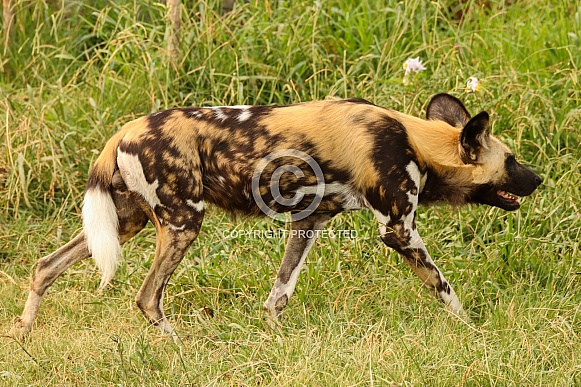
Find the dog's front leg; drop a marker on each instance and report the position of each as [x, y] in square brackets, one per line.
[401, 235]
[302, 236]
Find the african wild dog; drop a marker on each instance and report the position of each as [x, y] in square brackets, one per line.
[166, 166]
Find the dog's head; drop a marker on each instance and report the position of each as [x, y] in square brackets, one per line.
[498, 179]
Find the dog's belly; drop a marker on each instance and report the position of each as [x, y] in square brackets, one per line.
[231, 194]
[238, 194]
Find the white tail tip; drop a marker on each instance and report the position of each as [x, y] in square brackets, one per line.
[100, 224]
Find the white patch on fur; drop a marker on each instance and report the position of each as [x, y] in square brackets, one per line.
[176, 228]
[132, 172]
[198, 206]
[279, 288]
[196, 114]
[331, 188]
[352, 201]
[423, 179]
[100, 225]
[408, 219]
[414, 173]
[219, 113]
[382, 219]
[416, 241]
[244, 115]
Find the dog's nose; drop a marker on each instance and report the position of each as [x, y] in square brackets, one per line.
[538, 180]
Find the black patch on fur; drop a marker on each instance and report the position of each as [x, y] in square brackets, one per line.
[397, 237]
[392, 153]
[438, 189]
[356, 100]
[473, 137]
[176, 175]
[417, 258]
[520, 181]
[157, 120]
[229, 166]
[444, 107]
[227, 179]
[94, 182]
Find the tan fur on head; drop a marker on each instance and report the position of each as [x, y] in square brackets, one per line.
[437, 145]
[489, 167]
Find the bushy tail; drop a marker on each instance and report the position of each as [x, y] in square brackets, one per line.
[100, 221]
[100, 225]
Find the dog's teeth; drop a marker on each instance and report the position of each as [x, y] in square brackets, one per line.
[507, 195]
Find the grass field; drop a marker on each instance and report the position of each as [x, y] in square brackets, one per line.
[74, 71]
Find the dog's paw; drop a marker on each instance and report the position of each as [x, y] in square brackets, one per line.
[20, 330]
[272, 318]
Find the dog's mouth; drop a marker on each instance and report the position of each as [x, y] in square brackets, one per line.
[497, 197]
[519, 181]
[511, 201]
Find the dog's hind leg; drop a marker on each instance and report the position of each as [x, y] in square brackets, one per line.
[302, 237]
[49, 268]
[45, 272]
[171, 246]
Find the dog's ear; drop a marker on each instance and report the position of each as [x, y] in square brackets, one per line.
[444, 107]
[474, 137]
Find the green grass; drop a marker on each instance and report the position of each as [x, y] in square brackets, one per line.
[75, 71]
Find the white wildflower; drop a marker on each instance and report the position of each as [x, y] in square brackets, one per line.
[413, 65]
[473, 85]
